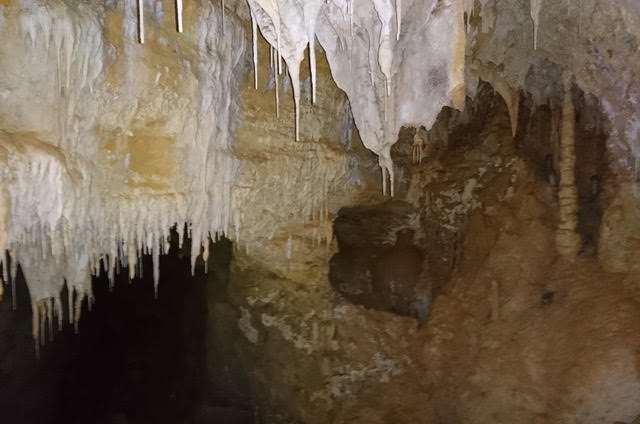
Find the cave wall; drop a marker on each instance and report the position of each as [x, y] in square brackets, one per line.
[513, 334]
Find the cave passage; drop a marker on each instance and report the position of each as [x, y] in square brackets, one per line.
[135, 360]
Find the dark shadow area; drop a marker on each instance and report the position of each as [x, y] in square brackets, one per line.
[378, 265]
[136, 359]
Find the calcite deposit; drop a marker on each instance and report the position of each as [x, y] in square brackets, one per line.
[508, 131]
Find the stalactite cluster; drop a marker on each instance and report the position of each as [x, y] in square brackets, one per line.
[77, 195]
[89, 167]
[372, 61]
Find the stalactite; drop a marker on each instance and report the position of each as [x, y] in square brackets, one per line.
[222, 6]
[567, 238]
[254, 32]
[205, 255]
[95, 232]
[179, 14]
[277, 77]
[140, 21]
[468, 11]
[270, 57]
[535, 15]
[4, 258]
[70, 293]
[13, 274]
[312, 64]
[156, 266]
[53, 221]
[294, 75]
[35, 327]
[398, 18]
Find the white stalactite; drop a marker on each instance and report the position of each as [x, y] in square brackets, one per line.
[73, 229]
[254, 32]
[179, 14]
[277, 77]
[56, 221]
[535, 15]
[378, 115]
[398, 18]
[141, 21]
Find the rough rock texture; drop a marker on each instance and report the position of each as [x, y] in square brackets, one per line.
[513, 335]
[379, 264]
[618, 246]
[105, 144]
[596, 41]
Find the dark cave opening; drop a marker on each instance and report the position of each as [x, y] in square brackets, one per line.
[379, 264]
[136, 359]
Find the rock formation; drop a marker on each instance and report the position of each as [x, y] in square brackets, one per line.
[133, 129]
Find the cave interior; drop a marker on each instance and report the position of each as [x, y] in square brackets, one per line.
[319, 211]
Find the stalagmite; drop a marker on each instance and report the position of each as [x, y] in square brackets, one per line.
[179, 14]
[567, 238]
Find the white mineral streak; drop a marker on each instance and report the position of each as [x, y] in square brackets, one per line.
[358, 63]
[65, 211]
[535, 15]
